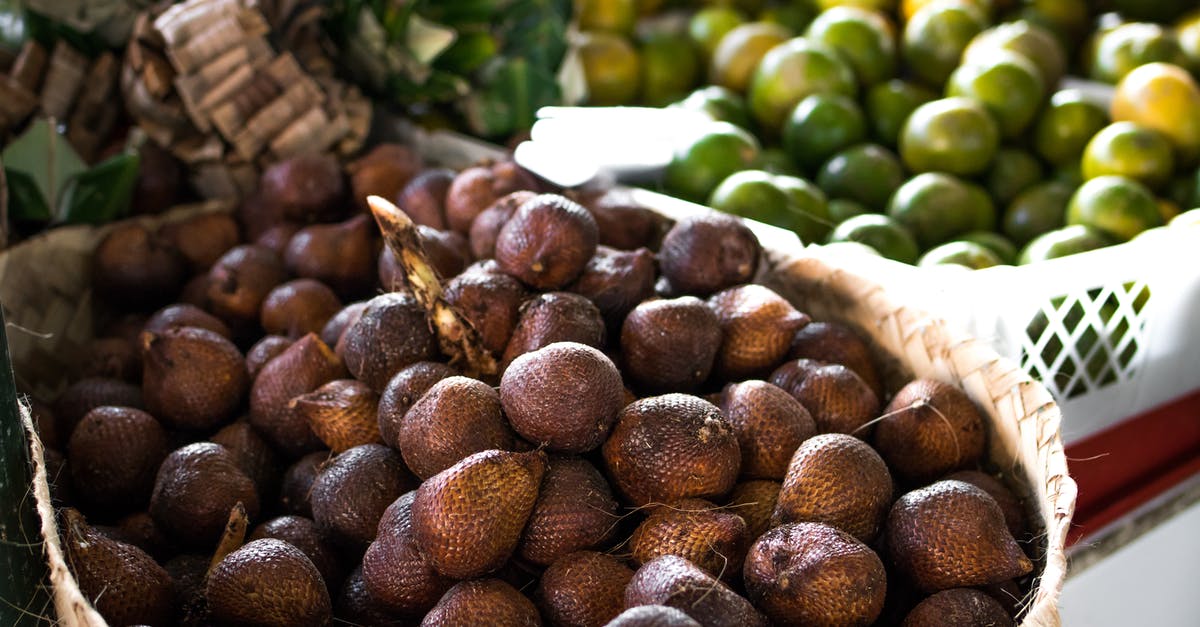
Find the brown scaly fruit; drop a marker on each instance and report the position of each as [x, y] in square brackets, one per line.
[302, 533]
[256, 216]
[671, 447]
[575, 510]
[1014, 514]
[958, 607]
[471, 191]
[391, 333]
[193, 379]
[755, 501]
[353, 490]
[951, 534]
[675, 582]
[240, 280]
[583, 588]
[304, 366]
[713, 539]
[929, 429]
[87, 394]
[565, 396]
[384, 171]
[341, 413]
[189, 572]
[183, 315]
[140, 530]
[268, 582]
[1007, 593]
[837, 398]
[277, 237]
[757, 326]
[394, 572]
[707, 253]
[547, 242]
[295, 491]
[337, 325]
[342, 255]
[135, 269]
[624, 223]
[670, 345]
[195, 488]
[468, 518]
[307, 188]
[122, 582]
[253, 455]
[491, 302]
[483, 602]
[354, 605]
[112, 357]
[486, 226]
[298, 307]
[113, 456]
[195, 292]
[202, 239]
[616, 281]
[263, 351]
[814, 574]
[770, 424]
[652, 616]
[404, 389]
[424, 197]
[838, 480]
[456, 417]
[554, 317]
[836, 343]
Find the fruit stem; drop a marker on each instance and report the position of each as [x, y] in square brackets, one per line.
[233, 537]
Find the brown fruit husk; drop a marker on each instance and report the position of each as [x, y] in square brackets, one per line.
[838, 400]
[195, 488]
[623, 223]
[303, 367]
[653, 616]
[838, 480]
[554, 317]
[707, 253]
[295, 492]
[1014, 514]
[253, 455]
[712, 538]
[384, 171]
[113, 455]
[190, 571]
[675, 582]
[671, 447]
[341, 413]
[491, 303]
[354, 605]
[332, 332]
[133, 268]
[814, 574]
[277, 237]
[307, 188]
[297, 308]
[471, 191]
[302, 533]
[342, 255]
[268, 582]
[836, 343]
[547, 242]
[195, 292]
[951, 534]
[958, 607]
[483, 602]
[616, 281]
[122, 582]
[183, 315]
[263, 351]
[395, 574]
[584, 588]
[140, 530]
[193, 379]
[467, 519]
[770, 425]
[486, 226]
[575, 510]
[757, 326]
[202, 239]
[928, 430]
[670, 345]
[240, 280]
[112, 357]
[352, 491]
[404, 389]
[565, 396]
[755, 501]
[456, 417]
[87, 394]
[424, 197]
[391, 333]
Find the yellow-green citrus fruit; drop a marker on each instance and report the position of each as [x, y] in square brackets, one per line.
[1066, 125]
[1117, 206]
[1129, 150]
[935, 37]
[791, 71]
[955, 135]
[865, 38]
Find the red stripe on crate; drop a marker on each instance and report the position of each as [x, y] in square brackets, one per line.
[1130, 463]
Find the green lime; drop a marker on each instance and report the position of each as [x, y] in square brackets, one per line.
[1037, 210]
[1118, 206]
[842, 209]
[880, 232]
[980, 208]
[1129, 150]
[936, 207]
[753, 194]
[969, 254]
[1001, 246]
[1006, 83]
[710, 24]
[821, 125]
[616, 16]
[811, 218]
[865, 38]
[955, 135]
[1131, 45]
[718, 103]
[877, 5]
[611, 68]
[890, 103]
[699, 166]
[866, 173]
[1062, 242]
[739, 52]
[670, 68]
[1184, 190]
[791, 71]
[935, 37]
[795, 17]
[1066, 126]
[1067, 19]
[775, 161]
[1013, 171]
[1069, 173]
[1029, 40]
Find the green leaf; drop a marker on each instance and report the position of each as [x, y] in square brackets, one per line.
[47, 157]
[512, 91]
[25, 202]
[103, 193]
